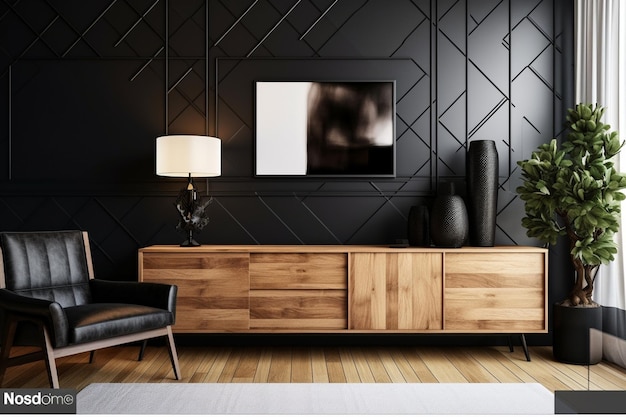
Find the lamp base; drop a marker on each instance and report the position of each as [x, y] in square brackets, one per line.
[189, 243]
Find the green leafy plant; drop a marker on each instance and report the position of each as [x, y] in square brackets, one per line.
[574, 190]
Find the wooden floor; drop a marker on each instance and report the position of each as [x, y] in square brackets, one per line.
[324, 365]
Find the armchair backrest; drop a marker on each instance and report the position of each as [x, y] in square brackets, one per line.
[54, 266]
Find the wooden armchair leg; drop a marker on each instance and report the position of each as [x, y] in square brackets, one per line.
[92, 354]
[7, 343]
[49, 359]
[173, 355]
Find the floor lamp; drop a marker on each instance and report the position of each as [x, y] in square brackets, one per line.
[191, 157]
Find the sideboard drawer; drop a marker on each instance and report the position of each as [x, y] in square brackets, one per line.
[298, 309]
[298, 271]
[298, 291]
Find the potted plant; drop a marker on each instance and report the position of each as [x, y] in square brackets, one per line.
[573, 190]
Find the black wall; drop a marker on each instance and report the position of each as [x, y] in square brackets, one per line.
[86, 88]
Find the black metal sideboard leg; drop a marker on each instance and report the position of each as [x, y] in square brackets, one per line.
[523, 338]
[511, 349]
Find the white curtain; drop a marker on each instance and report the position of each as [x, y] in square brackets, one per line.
[600, 42]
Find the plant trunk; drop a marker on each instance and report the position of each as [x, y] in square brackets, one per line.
[585, 274]
[583, 287]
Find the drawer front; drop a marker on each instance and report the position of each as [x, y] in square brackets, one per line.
[495, 292]
[298, 291]
[213, 289]
[298, 309]
[298, 271]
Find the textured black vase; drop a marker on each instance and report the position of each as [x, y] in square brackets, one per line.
[448, 219]
[419, 226]
[482, 191]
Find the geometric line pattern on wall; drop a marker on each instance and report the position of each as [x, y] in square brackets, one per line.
[464, 70]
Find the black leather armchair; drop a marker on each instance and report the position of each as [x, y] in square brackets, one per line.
[49, 298]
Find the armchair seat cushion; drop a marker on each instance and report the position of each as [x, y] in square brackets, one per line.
[90, 322]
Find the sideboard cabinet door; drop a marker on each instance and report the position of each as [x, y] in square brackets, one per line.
[494, 291]
[395, 291]
[213, 288]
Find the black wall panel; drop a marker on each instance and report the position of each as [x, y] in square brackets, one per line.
[76, 118]
[87, 86]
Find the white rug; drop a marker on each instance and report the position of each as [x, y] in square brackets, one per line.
[362, 399]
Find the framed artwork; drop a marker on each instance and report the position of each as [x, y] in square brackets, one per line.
[323, 128]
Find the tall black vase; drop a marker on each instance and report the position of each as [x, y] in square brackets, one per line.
[419, 226]
[482, 190]
[448, 219]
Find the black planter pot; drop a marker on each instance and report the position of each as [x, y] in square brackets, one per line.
[482, 191]
[448, 219]
[573, 342]
[419, 226]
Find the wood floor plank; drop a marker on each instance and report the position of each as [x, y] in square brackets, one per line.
[376, 366]
[514, 364]
[585, 377]
[201, 357]
[130, 367]
[203, 368]
[134, 372]
[280, 368]
[20, 375]
[318, 366]
[491, 360]
[216, 369]
[394, 373]
[246, 370]
[349, 368]
[593, 377]
[440, 366]
[333, 363]
[263, 367]
[231, 366]
[417, 364]
[108, 363]
[611, 373]
[567, 373]
[472, 370]
[301, 370]
[408, 373]
[362, 367]
[541, 372]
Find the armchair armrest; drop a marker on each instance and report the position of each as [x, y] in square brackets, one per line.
[35, 309]
[149, 294]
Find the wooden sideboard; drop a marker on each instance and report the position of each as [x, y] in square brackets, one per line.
[353, 289]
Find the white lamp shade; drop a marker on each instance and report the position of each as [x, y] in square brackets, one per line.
[184, 155]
